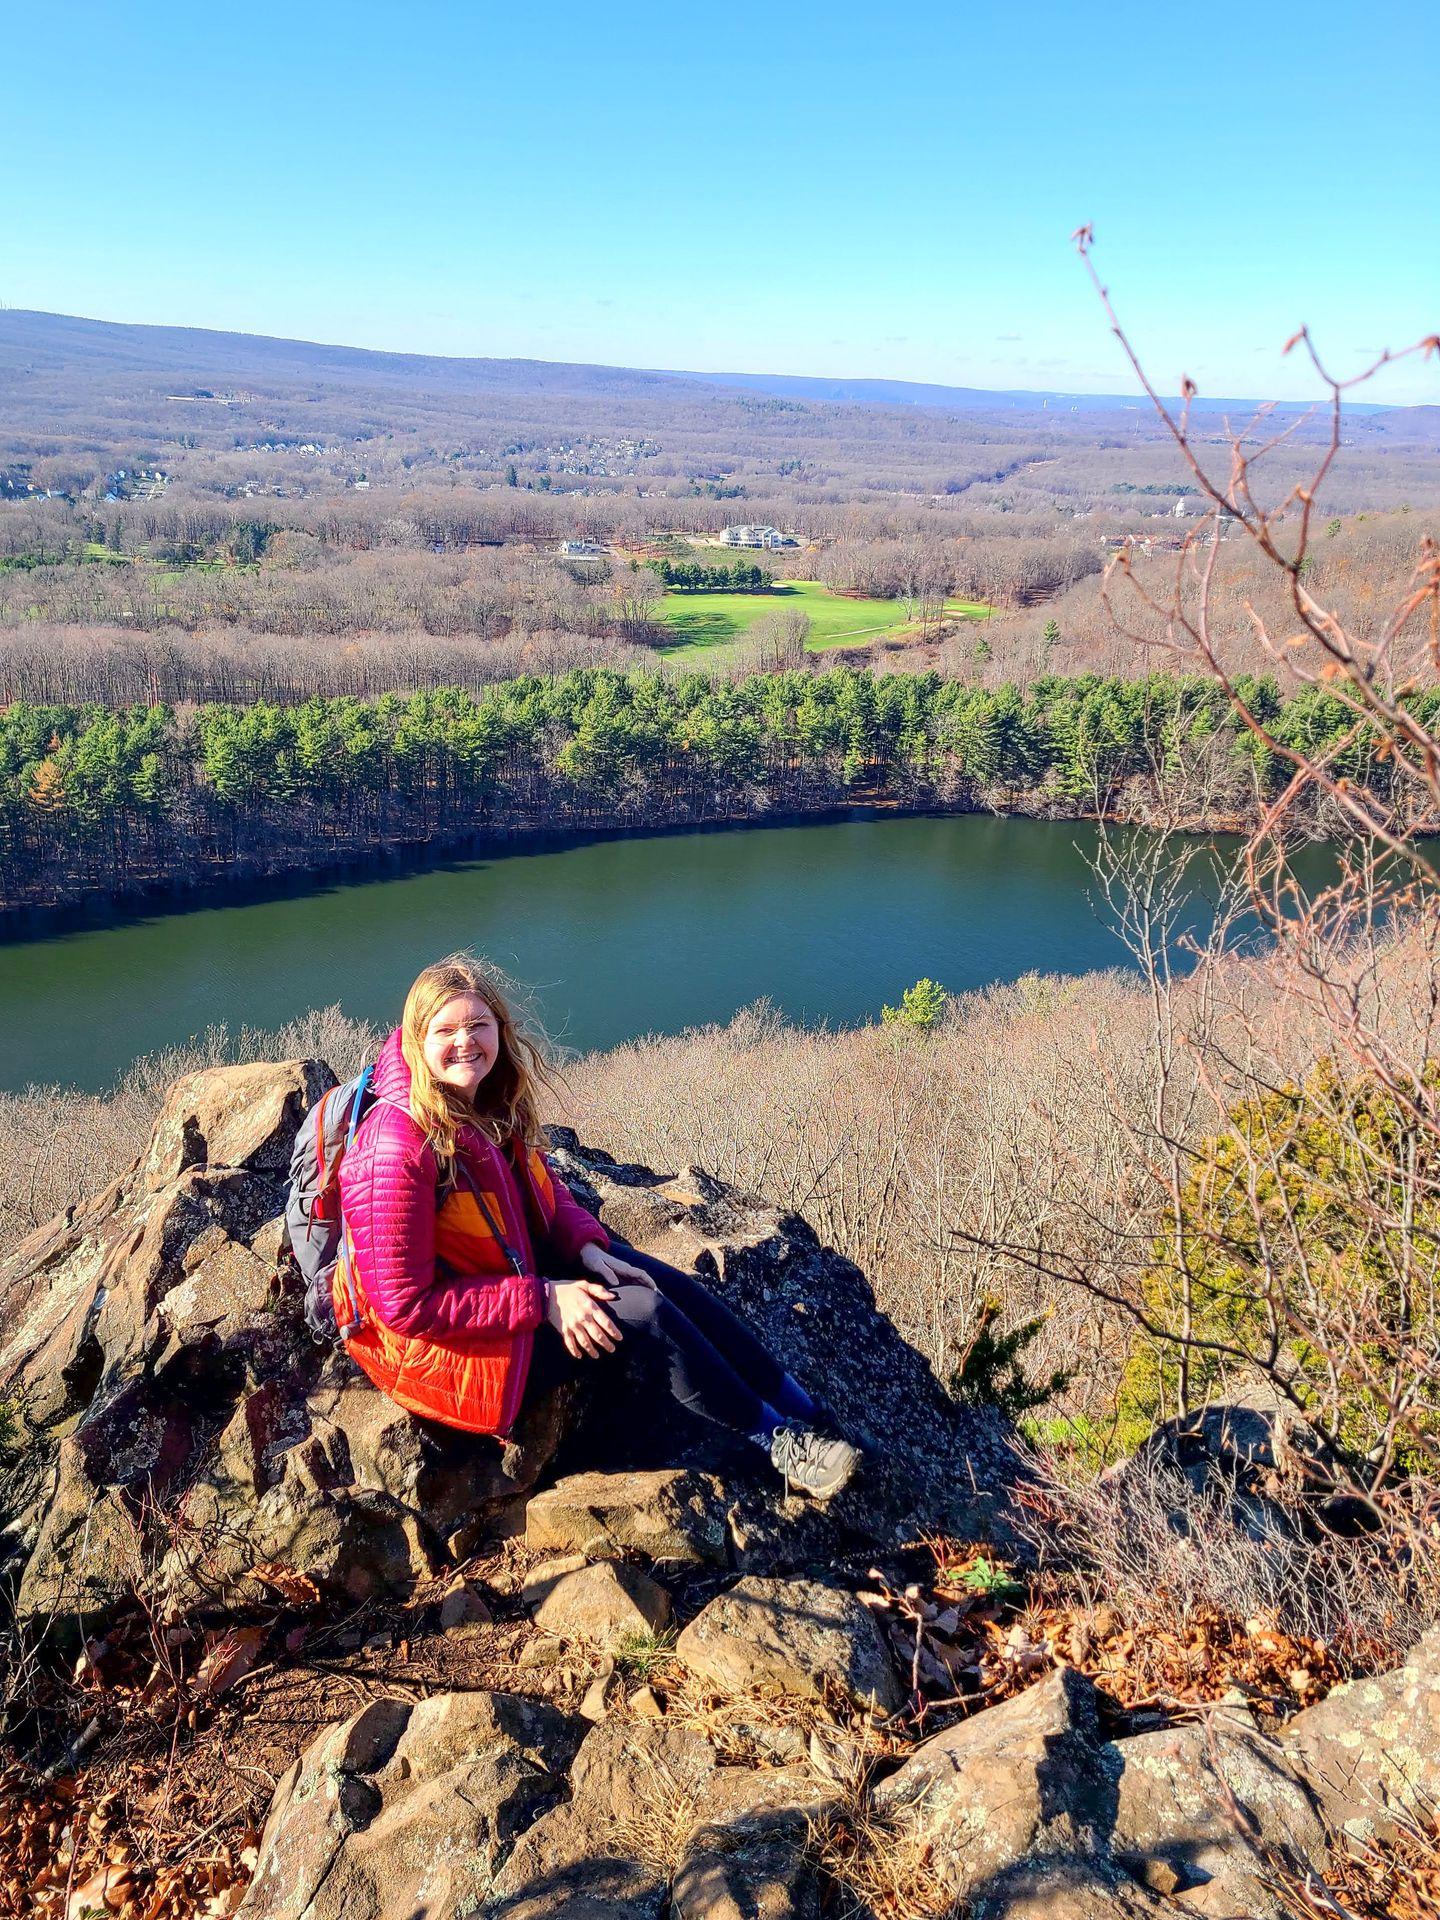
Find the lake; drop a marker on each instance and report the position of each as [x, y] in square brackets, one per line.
[615, 937]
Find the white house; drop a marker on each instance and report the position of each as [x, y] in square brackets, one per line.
[756, 537]
[582, 550]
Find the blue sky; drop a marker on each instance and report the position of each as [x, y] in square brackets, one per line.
[836, 189]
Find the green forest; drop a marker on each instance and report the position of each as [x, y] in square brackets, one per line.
[103, 800]
[686, 576]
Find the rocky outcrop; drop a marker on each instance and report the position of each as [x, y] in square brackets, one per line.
[182, 1435]
[182, 1429]
[671, 1516]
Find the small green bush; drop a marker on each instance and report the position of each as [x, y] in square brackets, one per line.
[642, 1655]
[994, 1581]
[989, 1371]
[1308, 1250]
[920, 1006]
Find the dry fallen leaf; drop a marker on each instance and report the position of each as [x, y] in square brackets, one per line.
[229, 1660]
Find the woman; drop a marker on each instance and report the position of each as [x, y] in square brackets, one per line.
[469, 1260]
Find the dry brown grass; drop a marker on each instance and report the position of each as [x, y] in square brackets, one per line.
[879, 1869]
[1152, 1557]
[886, 1139]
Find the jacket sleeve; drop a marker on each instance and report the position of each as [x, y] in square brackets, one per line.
[572, 1228]
[395, 1245]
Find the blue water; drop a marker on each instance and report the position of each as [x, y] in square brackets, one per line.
[614, 938]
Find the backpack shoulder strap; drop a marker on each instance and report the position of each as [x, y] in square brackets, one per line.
[357, 1111]
[517, 1265]
[329, 1165]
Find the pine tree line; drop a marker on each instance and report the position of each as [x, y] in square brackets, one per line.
[95, 800]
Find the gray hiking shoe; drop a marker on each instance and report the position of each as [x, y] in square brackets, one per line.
[812, 1464]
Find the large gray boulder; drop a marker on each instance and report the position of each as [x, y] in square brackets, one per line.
[656, 1827]
[1024, 1779]
[636, 1791]
[404, 1809]
[1372, 1748]
[1214, 1805]
[748, 1856]
[795, 1636]
[672, 1516]
[1071, 1887]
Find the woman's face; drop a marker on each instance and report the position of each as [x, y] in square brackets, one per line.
[461, 1043]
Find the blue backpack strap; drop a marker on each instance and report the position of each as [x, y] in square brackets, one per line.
[343, 1264]
[357, 1110]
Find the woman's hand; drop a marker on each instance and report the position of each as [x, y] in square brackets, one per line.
[573, 1308]
[611, 1269]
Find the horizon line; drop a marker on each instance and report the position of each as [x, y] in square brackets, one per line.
[717, 375]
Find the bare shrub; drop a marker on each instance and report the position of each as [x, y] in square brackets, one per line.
[1302, 1241]
[1142, 1540]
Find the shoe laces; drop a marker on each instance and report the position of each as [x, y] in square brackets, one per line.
[797, 1447]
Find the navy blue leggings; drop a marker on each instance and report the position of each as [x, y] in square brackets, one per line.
[717, 1368]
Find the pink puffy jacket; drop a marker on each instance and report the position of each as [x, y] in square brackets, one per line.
[447, 1323]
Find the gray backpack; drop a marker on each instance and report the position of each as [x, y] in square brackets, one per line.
[312, 1207]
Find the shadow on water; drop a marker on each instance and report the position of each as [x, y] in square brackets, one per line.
[471, 853]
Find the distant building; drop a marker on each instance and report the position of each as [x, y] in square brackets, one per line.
[756, 537]
[581, 550]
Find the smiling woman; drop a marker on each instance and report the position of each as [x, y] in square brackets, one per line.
[470, 1277]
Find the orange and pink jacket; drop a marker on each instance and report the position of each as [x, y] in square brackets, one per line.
[447, 1326]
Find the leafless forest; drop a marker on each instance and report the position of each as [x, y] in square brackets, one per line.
[192, 517]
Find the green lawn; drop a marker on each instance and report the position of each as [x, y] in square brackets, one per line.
[705, 621]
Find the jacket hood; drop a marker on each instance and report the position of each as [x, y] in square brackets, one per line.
[391, 1079]
[390, 1082]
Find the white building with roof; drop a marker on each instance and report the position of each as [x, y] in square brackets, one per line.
[756, 537]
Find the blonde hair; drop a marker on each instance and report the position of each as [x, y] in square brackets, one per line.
[506, 1101]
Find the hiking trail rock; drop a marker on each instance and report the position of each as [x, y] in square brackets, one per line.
[604, 1604]
[671, 1516]
[1023, 1778]
[794, 1635]
[407, 1809]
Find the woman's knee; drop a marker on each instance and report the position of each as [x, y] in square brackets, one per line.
[638, 1309]
[671, 1284]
